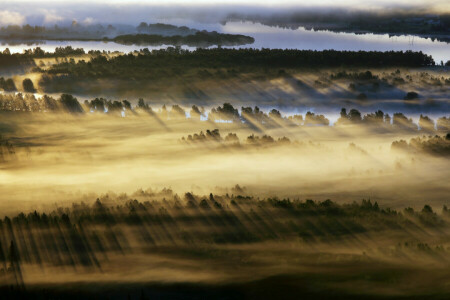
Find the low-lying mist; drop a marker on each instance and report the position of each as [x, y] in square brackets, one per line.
[56, 157]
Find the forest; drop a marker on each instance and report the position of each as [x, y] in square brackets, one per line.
[240, 59]
[199, 76]
[89, 237]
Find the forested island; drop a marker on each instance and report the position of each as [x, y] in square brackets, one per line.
[144, 34]
[199, 39]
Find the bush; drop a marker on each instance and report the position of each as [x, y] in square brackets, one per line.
[411, 96]
[28, 86]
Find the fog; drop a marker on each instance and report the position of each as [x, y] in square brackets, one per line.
[58, 158]
[230, 174]
[133, 12]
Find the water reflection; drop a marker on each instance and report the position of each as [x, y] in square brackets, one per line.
[275, 37]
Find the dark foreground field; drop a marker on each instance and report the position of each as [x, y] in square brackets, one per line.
[306, 286]
[225, 247]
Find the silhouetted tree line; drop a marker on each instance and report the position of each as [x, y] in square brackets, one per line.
[103, 105]
[399, 120]
[198, 39]
[434, 26]
[28, 102]
[367, 75]
[83, 233]
[10, 61]
[233, 139]
[225, 113]
[148, 63]
[164, 29]
[83, 236]
[436, 145]
[8, 58]
[367, 81]
[7, 85]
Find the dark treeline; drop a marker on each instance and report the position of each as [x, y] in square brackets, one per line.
[83, 234]
[226, 113]
[115, 230]
[199, 39]
[8, 85]
[399, 120]
[165, 29]
[6, 57]
[233, 140]
[436, 145]
[10, 61]
[148, 64]
[29, 103]
[395, 22]
[24, 61]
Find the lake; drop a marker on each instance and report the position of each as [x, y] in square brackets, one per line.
[276, 37]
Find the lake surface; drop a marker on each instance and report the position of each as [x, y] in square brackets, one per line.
[275, 37]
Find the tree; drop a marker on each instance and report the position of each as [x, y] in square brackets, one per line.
[48, 103]
[426, 123]
[9, 85]
[427, 209]
[354, 115]
[411, 96]
[275, 114]
[70, 103]
[313, 119]
[226, 112]
[28, 86]
[142, 104]
[196, 112]
[126, 104]
[400, 120]
[177, 112]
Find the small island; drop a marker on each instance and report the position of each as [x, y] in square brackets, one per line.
[144, 34]
[199, 39]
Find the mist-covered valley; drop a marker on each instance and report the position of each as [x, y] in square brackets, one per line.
[224, 151]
